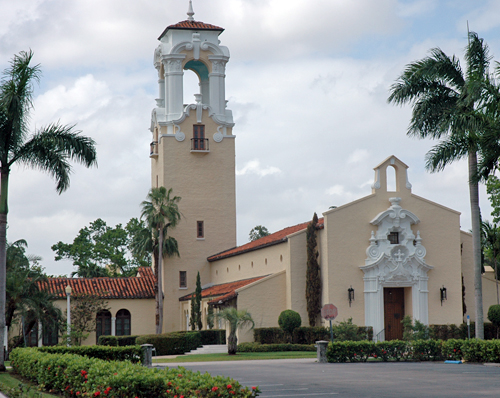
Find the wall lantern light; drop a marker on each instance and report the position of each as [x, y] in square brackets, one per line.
[350, 293]
[443, 294]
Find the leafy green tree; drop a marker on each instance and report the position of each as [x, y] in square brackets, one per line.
[313, 277]
[84, 309]
[49, 149]
[25, 299]
[136, 229]
[258, 232]
[98, 250]
[493, 191]
[289, 320]
[490, 234]
[494, 316]
[161, 212]
[236, 319]
[449, 104]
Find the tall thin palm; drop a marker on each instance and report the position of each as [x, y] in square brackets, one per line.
[490, 234]
[49, 149]
[448, 105]
[236, 319]
[161, 211]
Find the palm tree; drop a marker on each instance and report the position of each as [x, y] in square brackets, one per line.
[49, 149]
[160, 211]
[237, 319]
[448, 104]
[491, 247]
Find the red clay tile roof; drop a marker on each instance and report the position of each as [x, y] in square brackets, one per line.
[140, 287]
[191, 25]
[224, 291]
[269, 240]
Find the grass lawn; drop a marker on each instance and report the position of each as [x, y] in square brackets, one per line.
[240, 356]
[8, 382]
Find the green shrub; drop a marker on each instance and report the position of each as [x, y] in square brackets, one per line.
[494, 316]
[427, 350]
[129, 353]
[79, 376]
[111, 341]
[257, 347]
[346, 331]
[289, 320]
[310, 334]
[213, 336]
[269, 336]
[394, 349]
[350, 351]
[452, 349]
[172, 343]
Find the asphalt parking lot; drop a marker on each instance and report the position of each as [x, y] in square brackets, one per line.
[302, 378]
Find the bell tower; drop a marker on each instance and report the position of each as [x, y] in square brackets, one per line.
[193, 153]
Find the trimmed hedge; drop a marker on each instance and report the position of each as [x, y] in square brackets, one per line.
[305, 335]
[176, 343]
[213, 336]
[445, 332]
[79, 376]
[117, 341]
[257, 347]
[129, 353]
[472, 350]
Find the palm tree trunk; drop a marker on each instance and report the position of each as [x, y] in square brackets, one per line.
[232, 343]
[4, 184]
[476, 244]
[159, 327]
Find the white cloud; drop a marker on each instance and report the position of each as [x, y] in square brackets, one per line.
[254, 167]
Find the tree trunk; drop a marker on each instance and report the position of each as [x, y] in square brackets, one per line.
[4, 183]
[476, 244]
[232, 343]
[159, 327]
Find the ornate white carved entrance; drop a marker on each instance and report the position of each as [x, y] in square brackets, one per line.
[395, 258]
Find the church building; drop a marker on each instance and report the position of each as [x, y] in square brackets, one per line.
[383, 256]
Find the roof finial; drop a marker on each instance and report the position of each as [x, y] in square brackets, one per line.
[190, 12]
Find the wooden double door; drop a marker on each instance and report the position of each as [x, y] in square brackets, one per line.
[394, 311]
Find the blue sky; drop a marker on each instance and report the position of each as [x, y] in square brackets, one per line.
[307, 83]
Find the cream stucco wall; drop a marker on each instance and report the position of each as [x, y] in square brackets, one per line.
[296, 275]
[265, 261]
[265, 300]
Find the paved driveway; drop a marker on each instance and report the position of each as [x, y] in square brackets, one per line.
[302, 378]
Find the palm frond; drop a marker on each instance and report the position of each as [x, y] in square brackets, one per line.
[50, 150]
[447, 151]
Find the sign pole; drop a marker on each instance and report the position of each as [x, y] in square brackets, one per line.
[331, 331]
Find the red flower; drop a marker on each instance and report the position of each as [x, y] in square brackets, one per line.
[232, 392]
[215, 389]
[107, 390]
[179, 375]
[115, 374]
[97, 393]
[78, 393]
[49, 367]
[169, 383]
[229, 386]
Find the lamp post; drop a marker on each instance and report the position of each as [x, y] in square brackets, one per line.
[68, 301]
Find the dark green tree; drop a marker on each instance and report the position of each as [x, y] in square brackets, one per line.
[258, 232]
[449, 104]
[313, 276]
[195, 319]
[210, 317]
[160, 211]
[25, 297]
[490, 238]
[289, 320]
[50, 149]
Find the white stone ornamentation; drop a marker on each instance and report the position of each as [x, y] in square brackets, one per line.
[395, 257]
[180, 136]
[218, 137]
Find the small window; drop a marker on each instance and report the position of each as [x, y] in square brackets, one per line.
[200, 233]
[199, 143]
[183, 279]
[393, 238]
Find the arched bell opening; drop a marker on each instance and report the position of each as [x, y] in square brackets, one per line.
[196, 82]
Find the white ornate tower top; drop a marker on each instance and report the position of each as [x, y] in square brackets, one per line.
[190, 12]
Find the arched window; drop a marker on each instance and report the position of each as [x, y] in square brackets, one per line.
[103, 324]
[391, 179]
[123, 323]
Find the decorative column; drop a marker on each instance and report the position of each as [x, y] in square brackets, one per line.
[174, 85]
[40, 334]
[217, 84]
[113, 326]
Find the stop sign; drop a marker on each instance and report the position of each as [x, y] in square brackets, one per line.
[329, 312]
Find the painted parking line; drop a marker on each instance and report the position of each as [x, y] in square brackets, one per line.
[301, 395]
